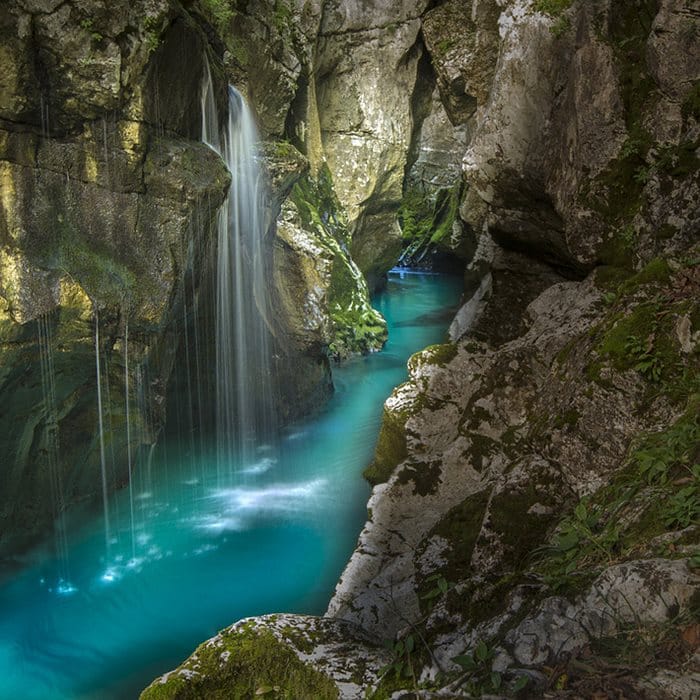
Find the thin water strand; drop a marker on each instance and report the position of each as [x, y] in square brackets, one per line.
[103, 460]
[127, 413]
[48, 383]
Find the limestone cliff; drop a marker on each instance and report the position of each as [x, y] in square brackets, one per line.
[533, 528]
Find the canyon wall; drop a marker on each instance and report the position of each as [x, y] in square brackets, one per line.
[534, 516]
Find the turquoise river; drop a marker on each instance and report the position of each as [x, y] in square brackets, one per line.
[205, 549]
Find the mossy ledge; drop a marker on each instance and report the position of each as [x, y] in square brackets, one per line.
[243, 661]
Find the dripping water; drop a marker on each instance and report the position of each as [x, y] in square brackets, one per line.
[100, 423]
[48, 384]
[128, 434]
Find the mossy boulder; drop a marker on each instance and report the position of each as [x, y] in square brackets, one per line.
[355, 327]
[286, 657]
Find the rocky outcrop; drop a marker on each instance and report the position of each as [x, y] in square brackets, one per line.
[293, 656]
[365, 73]
[336, 79]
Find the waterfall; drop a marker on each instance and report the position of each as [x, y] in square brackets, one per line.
[243, 387]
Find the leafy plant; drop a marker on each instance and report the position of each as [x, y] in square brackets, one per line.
[402, 664]
[220, 11]
[648, 363]
[683, 508]
[479, 676]
[439, 589]
[582, 539]
[660, 453]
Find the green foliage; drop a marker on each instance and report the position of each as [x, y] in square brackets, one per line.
[478, 676]
[87, 24]
[152, 26]
[683, 508]
[584, 537]
[402, 665]
[645, 361]
[658, 490]
[439, 588]
[426, 219]
[221, 13]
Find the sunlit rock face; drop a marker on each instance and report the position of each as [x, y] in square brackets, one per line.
[366, 66]
[337, 79]
[106, 205]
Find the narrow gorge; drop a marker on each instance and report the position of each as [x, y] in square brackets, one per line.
[370, 329]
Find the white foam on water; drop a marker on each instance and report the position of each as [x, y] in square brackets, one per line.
[264, 465]
[276, 498]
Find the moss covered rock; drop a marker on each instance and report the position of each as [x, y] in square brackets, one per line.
[277, 656]
[340, 293]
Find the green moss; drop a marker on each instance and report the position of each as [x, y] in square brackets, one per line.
[519, 529]
[656, 272]
[391, 448]
[646, 335]
[107, 276]
[357, 327]
[610, 277]
[460, 526]
[257, 665]
[440, 355]
[445, 45]
[426, 219]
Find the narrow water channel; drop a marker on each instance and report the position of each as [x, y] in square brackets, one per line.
[208, 548]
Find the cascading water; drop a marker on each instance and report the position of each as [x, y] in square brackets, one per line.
[244, 403]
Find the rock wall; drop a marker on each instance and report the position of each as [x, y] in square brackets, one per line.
[534, 517]
[106, 204]
[513, 454]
